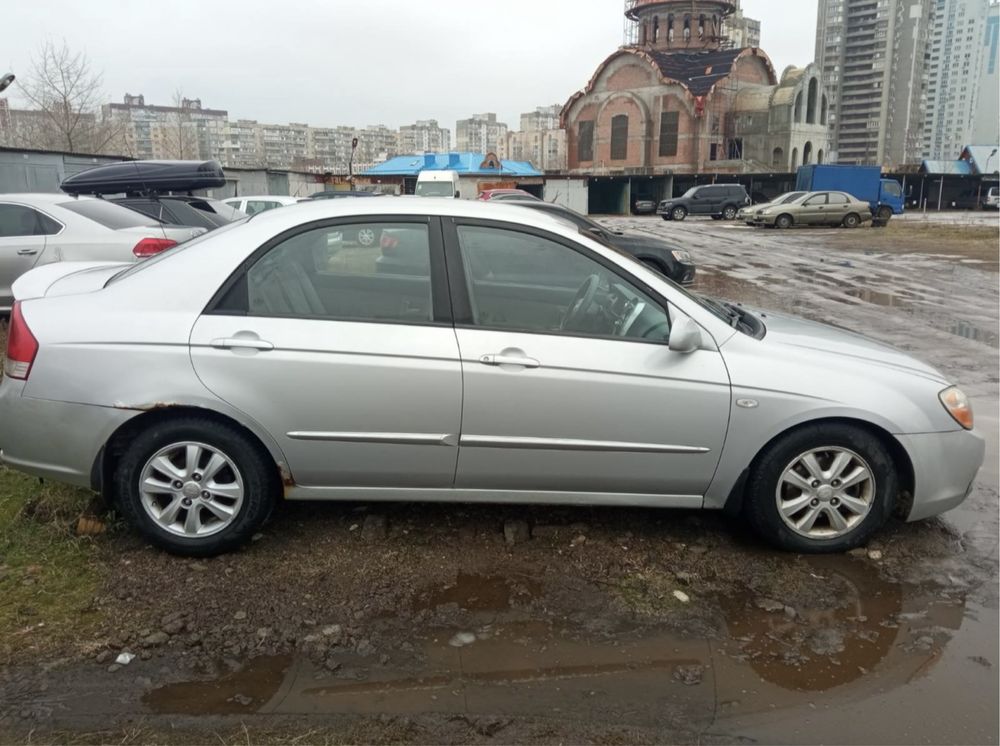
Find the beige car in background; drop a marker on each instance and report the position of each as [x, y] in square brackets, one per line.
[816, 208]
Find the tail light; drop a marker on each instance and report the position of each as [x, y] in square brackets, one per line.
[148, 247]
[21, 346]
[388, 243]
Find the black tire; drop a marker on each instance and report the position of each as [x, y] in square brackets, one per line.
[678, 214]
[851, 220]
[882, 217]
[784, 222]
[256, 467]
[761, 507]
[729, 213]
[665, 216]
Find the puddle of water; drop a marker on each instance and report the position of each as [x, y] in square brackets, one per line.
[480, 593]
[243, 691]
[976, 333]
[878, 297]
[851, 637]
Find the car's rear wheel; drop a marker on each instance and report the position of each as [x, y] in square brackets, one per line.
[195, 487]
[729, 213]
[851, 221]
[678, 214]
[783, 221]
[822, 488]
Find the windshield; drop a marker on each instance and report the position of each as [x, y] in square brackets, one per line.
[789, 197]
[435, 189]
[172, 251]
[689, 193]
[108, 214]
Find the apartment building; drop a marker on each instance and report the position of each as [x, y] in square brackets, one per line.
[481, 133]
[184, 131]
[956, 59]
[871, 53]
[425, 136]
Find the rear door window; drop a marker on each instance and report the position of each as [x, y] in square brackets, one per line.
[20, 220]
[112, 216]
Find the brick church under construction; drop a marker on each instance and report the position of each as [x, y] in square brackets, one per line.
[687, 94]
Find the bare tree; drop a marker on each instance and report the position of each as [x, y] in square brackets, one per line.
[180, 137]
[66, 96]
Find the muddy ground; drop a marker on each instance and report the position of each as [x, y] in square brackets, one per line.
[409, 623]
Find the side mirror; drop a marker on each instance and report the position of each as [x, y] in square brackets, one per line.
[685, 336]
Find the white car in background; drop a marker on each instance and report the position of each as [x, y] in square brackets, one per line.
[253, 205]
[38, 229]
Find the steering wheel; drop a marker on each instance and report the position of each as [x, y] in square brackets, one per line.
[581, 302]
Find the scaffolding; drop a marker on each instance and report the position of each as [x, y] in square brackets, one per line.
[632, 32]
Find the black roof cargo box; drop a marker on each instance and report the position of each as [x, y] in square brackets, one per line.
[146, 177]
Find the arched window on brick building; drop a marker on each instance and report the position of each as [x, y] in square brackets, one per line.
[619, 137]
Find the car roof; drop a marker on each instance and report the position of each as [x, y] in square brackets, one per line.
[40, 198]
[310, 210]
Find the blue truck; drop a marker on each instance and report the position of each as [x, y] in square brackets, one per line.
[862, 182]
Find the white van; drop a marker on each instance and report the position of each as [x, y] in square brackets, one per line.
[438, 184]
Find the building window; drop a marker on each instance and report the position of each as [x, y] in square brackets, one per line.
[585, 148]
[669, 124]
[619, 137]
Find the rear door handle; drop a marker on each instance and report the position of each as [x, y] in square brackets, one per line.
[241, 343]
[27, 252]
[495, 360]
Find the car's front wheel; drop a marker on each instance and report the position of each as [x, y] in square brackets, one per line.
[195, 487]
[678, 214]
[822, 488]
[783, 221]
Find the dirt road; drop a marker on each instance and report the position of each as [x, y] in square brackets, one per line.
[425, 624]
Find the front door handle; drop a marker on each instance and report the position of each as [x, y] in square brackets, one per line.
[27, 252]
[241, 343]
[501, 359]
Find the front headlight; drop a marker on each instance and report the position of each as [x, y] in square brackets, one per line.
[681, 256]
[958, 406]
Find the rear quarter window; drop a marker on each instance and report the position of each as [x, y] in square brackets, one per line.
[111, 216]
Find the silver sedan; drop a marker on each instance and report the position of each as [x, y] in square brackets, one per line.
[477, 353]
[38, 229]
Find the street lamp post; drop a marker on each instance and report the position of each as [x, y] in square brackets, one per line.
[350, 163]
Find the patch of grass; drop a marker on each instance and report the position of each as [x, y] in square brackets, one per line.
[48, 576]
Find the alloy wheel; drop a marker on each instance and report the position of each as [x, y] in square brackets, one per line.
[825, 493]
[191, 489]
[366, 236]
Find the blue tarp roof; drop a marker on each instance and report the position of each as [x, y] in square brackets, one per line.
[947, 167]
[463, 163]
[981, 155]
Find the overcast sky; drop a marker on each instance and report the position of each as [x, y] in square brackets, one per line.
[355, 62]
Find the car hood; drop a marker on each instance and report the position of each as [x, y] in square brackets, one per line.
[633, 242]
[824, 339]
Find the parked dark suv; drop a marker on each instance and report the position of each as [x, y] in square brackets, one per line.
[721, 201]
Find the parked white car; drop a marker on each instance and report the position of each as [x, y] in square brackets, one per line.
[37, 229]
[253, 205]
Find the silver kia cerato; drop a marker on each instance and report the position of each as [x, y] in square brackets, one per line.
[473, 352]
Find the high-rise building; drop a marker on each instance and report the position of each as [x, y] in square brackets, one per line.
[425, 136]
[986, 121]
[481, 133]
[541, 119]
[184, 131]
[741, 31]
[872, 56]
[955, 60]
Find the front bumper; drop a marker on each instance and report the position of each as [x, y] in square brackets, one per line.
[51, 439]
[945, 466]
